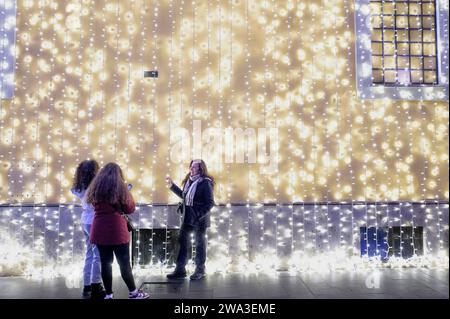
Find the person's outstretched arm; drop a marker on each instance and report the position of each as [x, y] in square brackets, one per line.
[174, 188]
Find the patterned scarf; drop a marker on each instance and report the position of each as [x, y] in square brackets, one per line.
[190, 187]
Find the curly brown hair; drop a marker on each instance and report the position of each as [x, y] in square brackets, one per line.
[203, 172]
[108, 186]
[84, 174]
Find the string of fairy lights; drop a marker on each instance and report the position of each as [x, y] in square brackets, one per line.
[229, 105]
[140, 139]
[117, 31]
[78, 107]
[313, 141]
[154, 93]
[262, 99]
[372, 210]
[69, 110]
[326, 156]
[9, 133]
[2, 82]
[287, 88]
[349, 123]
[299, 152]
[129, 16]
[339, 151]
[193, 101]
[36, 135]
[410, 178]
[5, 79]
[247, 99]
[10, 140]
[130, 83]
[152, 114]
[88, 81]
[170, 88]
[62, 143]
[435, 172]
[169, 114]
[143, 221]
[223, 216]
[101, 55]
[3, 40]
[278, 231]
[180, 74]
[51, 113]
[45, 173]
[37, 196]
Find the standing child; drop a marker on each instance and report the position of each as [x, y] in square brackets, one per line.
[84, 174]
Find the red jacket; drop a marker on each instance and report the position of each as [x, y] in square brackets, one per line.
[109, 227]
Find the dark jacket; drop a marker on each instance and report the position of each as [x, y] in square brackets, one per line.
[198, 215]
[109, 227]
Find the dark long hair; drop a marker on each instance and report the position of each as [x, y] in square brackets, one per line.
[203, 173]
[84, 175]
[108, 186]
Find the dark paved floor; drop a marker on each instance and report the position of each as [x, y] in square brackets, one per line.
[405, 283]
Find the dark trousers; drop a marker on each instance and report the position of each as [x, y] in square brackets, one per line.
[200, 247]
[122, 253]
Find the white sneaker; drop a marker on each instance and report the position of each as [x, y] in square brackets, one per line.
[111, 296]
[138, 294]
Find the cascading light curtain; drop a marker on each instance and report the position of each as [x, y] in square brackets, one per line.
[289, 65]
[247, 66]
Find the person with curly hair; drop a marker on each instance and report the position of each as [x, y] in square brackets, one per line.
[84, 174]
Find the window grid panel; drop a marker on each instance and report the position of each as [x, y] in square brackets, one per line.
[406, 58]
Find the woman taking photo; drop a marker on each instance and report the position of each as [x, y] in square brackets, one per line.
[111, 198]
[198, 199]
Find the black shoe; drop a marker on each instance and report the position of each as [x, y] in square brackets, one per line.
[98, 292]
[177, 274]
[86, 292]
[198, 274]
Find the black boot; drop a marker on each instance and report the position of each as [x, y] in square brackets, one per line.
[86, 292]
[98, 292]
[199, 273]
[177, 274]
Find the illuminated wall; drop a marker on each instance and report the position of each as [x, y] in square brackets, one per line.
[7, 40]
[289, 65]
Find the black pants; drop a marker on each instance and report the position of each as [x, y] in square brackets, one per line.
[200, 247]
[122, 253]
